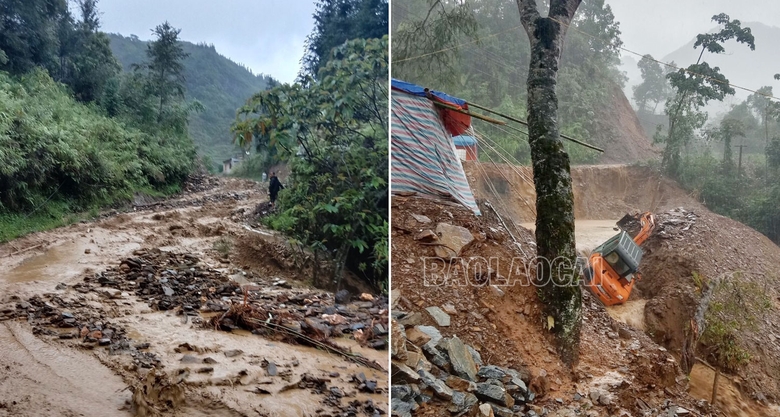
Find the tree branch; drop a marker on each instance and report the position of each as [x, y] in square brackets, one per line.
[528, 15]
[563, 11]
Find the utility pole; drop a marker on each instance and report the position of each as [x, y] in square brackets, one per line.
[739, 165]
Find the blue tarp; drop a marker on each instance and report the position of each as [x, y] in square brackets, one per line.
[464, 140]
[418, 91]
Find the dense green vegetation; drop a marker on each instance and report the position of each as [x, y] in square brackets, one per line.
[218, 83]
[491, 66]
[331, 130]
[337, 21]
[75, 133]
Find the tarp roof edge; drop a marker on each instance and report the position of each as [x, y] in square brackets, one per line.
[416, 90]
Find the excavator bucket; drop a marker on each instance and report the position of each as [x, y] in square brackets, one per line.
[631, 223]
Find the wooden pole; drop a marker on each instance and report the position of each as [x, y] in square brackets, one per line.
[739, 165]
[499, 122]
[524, 123]
[715, 387]
[478, 116]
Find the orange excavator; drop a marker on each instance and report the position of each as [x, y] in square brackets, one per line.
[612, 267]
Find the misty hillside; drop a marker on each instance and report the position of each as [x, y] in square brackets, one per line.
[221, 85]
[743, 67]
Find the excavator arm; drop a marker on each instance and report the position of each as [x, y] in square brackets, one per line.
[638, 226]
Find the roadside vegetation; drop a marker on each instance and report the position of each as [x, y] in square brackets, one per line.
[738, 306]
[76, 133]
[331, 130]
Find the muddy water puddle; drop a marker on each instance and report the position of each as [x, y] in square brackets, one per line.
[59, 260]
[631, 313]
[235, 378]
[69, 257]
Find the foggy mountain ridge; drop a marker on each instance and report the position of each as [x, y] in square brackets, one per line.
[740, 65]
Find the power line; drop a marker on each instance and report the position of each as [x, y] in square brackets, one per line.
[706, 77]
[476, 40]
[622, 48]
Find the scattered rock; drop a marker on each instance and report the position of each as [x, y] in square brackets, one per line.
[485, 410]
[397, 341]
[403, 374]
[439, 387]
[441, 318]
[189, 359]
[493, 393]
[462, 362]
[430, 331]
[491, 372]
[449, 309]
[463, 403]
[498, 292]
[426, 236]
[420, 218]
[453, 240]
[415, 336]
[233, 353]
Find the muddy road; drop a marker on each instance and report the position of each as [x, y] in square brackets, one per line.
[85, 334]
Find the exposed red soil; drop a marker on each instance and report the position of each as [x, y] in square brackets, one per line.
[509, 330]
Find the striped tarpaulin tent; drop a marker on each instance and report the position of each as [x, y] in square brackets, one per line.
[423, 158]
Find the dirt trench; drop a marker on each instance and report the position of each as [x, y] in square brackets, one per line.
[45, 370]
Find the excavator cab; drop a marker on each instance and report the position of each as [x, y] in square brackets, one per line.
[612, 267]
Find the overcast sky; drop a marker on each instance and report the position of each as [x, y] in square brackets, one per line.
[265, 35]
[658, 27]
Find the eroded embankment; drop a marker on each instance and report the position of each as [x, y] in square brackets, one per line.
[601, 192]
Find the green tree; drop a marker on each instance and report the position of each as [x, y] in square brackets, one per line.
[773, 154]
[165, 67]
[694, 87]
[337, 21]
[93, 63]
[767, 109]
[654, 87]
[425, 37]
[28, 33]
[729, 130]
[555, 244]
[333, 133]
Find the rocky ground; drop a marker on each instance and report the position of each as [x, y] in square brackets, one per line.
[177, 307]
[482, 348]
[692, 252]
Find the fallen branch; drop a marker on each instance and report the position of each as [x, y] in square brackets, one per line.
[25, 249]
[331, 347]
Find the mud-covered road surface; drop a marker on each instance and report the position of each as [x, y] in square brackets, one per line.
[53, 367]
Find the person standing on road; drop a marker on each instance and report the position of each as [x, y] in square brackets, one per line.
[274, 185]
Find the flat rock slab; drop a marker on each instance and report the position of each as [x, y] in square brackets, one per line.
[491, 371]
[441, 318]
[492, 393]
[462, 362]
[432, 332]
[453, 240]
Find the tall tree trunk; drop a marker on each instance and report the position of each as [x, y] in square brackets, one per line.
[555, 243]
